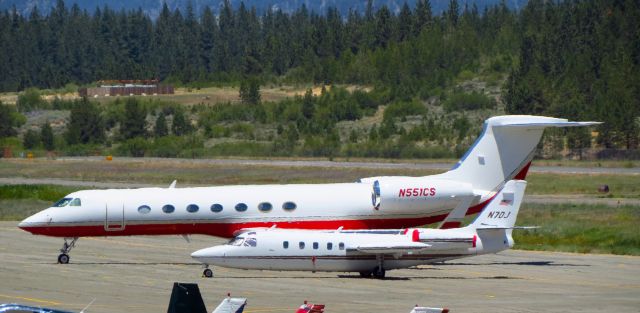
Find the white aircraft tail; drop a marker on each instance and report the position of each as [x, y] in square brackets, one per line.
[503, 209]
[504, 150]
[231, 305]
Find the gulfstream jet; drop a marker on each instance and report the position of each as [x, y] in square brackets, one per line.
[370, 252]
[503, 152]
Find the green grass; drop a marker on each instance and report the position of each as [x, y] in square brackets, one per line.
[620, 186]
[580, 228]
[19, 209]
[34, 192]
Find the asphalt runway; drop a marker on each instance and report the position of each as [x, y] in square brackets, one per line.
[136, 274]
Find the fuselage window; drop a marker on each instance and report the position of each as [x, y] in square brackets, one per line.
[289, 206]
[168, 208]
[265, 206]
[192, 208]
[62, 202]
[341, 246]
[216, 207]
[285, 244]
[329, 246]
[144, 209]
[241, 207]
[301, 245]
[250, 242]
[315, 246]
[75, 202]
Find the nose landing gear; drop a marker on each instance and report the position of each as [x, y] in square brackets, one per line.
[208, 273]
[63, 258]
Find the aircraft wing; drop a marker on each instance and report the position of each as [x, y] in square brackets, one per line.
[391, 248]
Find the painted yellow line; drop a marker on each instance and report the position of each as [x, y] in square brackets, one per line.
[30, 299]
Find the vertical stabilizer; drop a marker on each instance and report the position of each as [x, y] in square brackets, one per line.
[502, 211]
[504, 149]
[186, 298]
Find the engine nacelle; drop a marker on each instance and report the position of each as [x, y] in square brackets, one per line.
[416, 194]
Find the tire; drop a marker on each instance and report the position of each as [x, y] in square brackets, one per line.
[208, 273]
[379, 273]
[63, 258]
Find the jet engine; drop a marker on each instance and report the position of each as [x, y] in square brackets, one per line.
[403, 194]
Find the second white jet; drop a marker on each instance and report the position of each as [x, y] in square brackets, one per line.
[370, 252]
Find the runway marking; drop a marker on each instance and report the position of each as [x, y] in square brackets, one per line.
[30, 299]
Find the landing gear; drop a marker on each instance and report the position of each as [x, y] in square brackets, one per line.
[365, 274]
[63, 258]
[378, 271]
[208, 273]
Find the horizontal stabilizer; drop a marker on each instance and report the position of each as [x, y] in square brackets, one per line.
[498, 227]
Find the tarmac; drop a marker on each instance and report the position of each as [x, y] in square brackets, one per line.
[136, 274]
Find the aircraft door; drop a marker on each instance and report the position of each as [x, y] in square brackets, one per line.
[114, 217]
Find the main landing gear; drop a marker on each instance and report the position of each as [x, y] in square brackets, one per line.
[208, 273]
[378, 271]
[63, 258]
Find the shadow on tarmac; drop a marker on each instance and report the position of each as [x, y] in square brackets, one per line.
[526, 263]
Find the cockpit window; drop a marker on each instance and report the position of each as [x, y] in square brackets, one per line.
[236, 241]
[62, 202]
[75, 202]
[250, 242]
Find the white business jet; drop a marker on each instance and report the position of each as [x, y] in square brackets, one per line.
[370, 252]
[502, 152]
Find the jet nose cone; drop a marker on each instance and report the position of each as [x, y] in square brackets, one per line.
[209, 255]
[32, 222]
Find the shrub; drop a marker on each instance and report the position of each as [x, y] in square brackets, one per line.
[403, 109]
[468, 101]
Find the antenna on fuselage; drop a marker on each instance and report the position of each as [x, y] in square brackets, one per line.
[173, 184]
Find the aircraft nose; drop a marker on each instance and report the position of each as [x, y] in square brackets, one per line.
[210, 255]
[39, 219]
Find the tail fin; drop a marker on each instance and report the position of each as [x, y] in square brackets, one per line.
[502, 211]
[504, 150]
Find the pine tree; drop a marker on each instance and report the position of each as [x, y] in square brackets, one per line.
[180, 126]
[85, 124]
[161, 126]
[46, 135]
[30, 139]
[134, 119]
[250, 91]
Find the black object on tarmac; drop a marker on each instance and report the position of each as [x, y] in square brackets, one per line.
[186, 298]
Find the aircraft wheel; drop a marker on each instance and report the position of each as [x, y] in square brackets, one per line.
[365, 274]
[63, 258]
[208, 273]
[379, 272]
